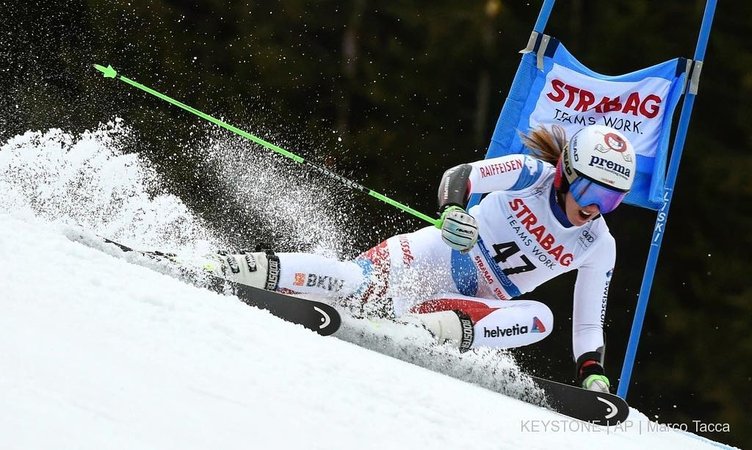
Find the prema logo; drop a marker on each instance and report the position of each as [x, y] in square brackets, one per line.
[611, 166]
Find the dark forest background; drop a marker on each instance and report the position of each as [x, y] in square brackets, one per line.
[391, 93]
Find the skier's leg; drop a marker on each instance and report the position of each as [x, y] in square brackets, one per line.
[494, 323]
[316, 274]
[407, 268]
[403, 270]
[291, 272]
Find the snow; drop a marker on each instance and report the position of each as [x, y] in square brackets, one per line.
[99, 352]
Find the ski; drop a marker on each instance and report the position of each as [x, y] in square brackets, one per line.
[480, 368]
[590, 406]
[317, 316]
[314, 315]
[572, 401]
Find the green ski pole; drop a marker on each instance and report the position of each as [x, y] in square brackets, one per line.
[109, 72]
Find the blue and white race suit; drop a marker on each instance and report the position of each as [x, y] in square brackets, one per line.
[524, 240]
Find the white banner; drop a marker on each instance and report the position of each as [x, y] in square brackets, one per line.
[573, 100]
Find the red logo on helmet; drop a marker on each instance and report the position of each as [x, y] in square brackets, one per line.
[615, 142]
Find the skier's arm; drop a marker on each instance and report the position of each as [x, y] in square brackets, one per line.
[589, 311]
[459, 230]
[511, 172]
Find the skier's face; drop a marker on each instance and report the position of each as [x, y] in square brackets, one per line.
[579, 215]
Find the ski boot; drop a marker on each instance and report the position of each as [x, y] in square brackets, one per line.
[256, 269]
[452, 327]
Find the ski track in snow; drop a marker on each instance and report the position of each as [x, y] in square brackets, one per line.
[99, 352]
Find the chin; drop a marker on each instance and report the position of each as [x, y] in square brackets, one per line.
[578, 221]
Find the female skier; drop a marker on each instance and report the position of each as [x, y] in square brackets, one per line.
[541, 217]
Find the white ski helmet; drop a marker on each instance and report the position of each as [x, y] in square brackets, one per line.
[599, 164]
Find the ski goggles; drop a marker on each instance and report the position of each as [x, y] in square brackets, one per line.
[588, 192]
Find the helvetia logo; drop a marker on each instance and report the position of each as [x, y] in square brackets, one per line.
[538, 326]
[515, 330]
[504, 332]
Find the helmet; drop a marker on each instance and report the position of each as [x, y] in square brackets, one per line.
[599, 166]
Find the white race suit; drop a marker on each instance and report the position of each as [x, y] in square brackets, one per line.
[524, 240]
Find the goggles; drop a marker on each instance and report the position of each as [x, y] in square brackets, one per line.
[587, 192]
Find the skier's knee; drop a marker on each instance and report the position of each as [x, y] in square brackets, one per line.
[517, 323]
[543, 321]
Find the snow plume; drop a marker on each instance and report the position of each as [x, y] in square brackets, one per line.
[492, 369]
[281, 199]
[88, 184]
[88, 181]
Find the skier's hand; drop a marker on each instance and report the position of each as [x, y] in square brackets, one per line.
[592, 377]
[459, 229]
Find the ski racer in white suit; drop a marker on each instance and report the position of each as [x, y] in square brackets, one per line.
[541, 216]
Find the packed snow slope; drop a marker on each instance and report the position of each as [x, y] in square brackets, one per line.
[98, 352]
